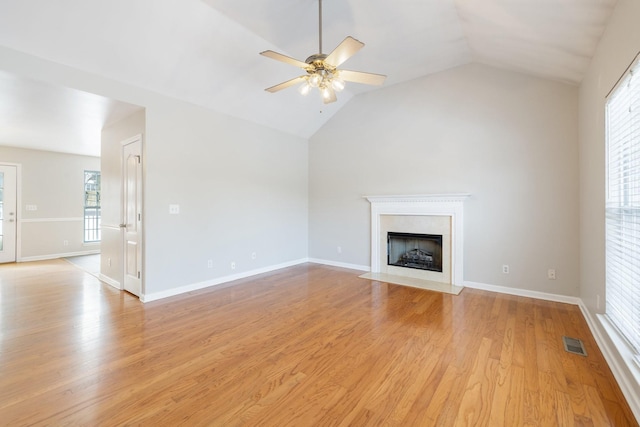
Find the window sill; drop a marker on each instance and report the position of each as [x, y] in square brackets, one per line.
[628, 356]
[91, 244]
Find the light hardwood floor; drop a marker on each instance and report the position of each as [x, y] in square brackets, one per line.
[306, 346]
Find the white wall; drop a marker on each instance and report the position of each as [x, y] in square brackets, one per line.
[241, 188]
[508, 139]
[54, 182]
[618, 46]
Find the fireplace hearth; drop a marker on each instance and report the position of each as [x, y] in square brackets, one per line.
[419, 251]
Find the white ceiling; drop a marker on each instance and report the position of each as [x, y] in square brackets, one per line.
[206, 51]
[53, 118]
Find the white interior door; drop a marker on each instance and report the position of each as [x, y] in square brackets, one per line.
[8, 221]
[132, 215]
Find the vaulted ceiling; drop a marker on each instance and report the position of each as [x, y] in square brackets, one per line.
[206, 51]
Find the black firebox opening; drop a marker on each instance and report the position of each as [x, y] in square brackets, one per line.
[421, 251]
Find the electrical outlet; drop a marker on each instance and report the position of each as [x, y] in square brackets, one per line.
[210, 263]
[253, 255]
[339, 249]
[174, 209]
[551, 274]
[505, 269]
[65, 243]
[109, 262]
[233, 265]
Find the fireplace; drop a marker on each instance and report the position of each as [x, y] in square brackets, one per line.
[430, 215]
[411, 250]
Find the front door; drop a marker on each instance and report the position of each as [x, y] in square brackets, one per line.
[8, 216]
[132, 214]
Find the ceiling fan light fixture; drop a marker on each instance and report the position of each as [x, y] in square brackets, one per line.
[304, 88]
[326, 92]
[337, 84]
[314, 80]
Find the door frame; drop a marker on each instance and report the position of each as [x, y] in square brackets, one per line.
[124, 143]
[18, 167]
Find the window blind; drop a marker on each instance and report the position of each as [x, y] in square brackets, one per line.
[623, 207]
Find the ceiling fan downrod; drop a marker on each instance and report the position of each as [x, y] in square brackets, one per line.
[320, 27]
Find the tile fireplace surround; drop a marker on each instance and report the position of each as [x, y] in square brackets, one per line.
[435, 205]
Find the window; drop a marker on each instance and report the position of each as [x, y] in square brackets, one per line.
[91, 206]
[623, 206]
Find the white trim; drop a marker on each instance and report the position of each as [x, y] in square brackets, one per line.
[218, 281]
[612, 348]
[420, 198]
[140, 252]
[18, 167]
[109, 281]
[56, 256]
[134, 138]
[70, 219]
[19, 211]
[450, 204]
[523, 293]
[340, 264]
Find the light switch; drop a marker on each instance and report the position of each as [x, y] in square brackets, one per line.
[31, 207]
[174, 209]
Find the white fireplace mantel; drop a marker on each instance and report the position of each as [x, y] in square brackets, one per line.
[449, 204]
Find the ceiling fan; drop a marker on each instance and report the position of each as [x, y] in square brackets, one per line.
[322, 70]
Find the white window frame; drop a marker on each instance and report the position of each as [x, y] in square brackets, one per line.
[622, 213]
[96, 217]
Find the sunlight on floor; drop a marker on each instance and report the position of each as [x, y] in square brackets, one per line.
[88, 263]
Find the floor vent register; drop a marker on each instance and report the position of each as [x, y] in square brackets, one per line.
[574, 345]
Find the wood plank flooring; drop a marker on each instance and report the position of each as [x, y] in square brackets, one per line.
[305, 346]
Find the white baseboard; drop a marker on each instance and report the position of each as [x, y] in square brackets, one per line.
[523, 293]
[615, 360]
[225, 279]
[109, 281]
[340, 264]
[56, 256]
[217, 281]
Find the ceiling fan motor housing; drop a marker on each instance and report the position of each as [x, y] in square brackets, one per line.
[318, 63]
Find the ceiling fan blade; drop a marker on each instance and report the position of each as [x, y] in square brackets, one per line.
[344, 51]
[284, 58]
[285, 85]
[360, 77]
[331, 98]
